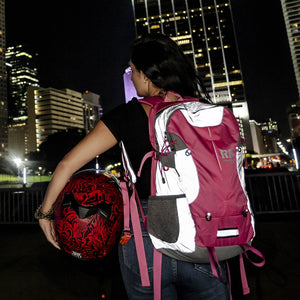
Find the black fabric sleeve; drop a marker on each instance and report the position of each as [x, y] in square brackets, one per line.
[114, 119]
[129, 123]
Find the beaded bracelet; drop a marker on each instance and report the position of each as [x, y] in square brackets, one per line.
[49, 215]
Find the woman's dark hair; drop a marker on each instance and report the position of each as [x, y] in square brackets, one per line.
[165, 64]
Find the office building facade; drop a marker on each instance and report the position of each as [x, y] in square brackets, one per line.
[18, 140]
[204, 30]
[3, 83]
[257, 138]
[92, 110]
[50, 111]
[291, 13]
[270, 134]
[22, 72]
[294, 120]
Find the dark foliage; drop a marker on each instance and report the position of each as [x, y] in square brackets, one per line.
[59, 144]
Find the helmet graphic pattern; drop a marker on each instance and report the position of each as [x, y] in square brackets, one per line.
[89, 215]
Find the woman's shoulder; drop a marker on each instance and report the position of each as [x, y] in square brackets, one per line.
[132, 106]
[124, 110]
[134, 102]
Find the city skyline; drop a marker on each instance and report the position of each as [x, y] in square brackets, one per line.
[205, 32]
[81, 48]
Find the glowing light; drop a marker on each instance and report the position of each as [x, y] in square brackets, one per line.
[223, 84]
[24, 54]
[296, 158]
[156, 26]
[17, 161]
[24, 176]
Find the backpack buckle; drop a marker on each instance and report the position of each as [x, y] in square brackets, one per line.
[125, 237]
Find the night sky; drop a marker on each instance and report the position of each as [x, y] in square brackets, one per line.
[86, 46]
[83, 46]
[265, 60]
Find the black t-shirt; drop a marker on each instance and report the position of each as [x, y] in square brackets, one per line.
[129, 123]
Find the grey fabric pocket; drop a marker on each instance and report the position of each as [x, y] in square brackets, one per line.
[162, 220]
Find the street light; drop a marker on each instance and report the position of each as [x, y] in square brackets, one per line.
[18, 161]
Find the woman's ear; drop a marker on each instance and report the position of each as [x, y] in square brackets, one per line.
[144, 77]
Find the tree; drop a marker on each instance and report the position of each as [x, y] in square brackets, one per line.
[57, 146]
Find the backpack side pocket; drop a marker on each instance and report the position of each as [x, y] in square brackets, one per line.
[162, 220]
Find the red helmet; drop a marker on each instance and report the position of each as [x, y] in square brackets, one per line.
[89, 214]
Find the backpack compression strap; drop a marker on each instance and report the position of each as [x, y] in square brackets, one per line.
[245, 286]
[130, 209]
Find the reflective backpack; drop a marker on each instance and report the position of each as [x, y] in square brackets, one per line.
[198, 210]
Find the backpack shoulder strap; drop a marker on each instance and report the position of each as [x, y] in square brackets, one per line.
[166, 101]
[152, 101]
[158, 104]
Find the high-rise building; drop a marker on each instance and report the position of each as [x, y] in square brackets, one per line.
[22, 72]
[241, 112]
[204, 30]
[18, 140]
[294, 120]
[269, 130]
[50, 111]
[291, 13]
[3, 83]
[257, 138]
[92, 110]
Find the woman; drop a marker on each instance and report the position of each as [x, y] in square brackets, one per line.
[158, 66]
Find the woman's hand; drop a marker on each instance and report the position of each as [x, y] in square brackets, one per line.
[48, 229]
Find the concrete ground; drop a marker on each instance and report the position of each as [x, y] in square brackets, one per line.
[30, 268]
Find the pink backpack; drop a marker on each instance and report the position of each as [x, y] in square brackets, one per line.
[198, 210]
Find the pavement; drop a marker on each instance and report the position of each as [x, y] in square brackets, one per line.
[30, 268]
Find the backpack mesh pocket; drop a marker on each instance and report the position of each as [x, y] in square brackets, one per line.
[162, 217]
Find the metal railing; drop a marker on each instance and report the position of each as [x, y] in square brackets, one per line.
[269, 193]
[17, 206]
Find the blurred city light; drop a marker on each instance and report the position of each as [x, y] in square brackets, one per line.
[17, 161]
[296, 158]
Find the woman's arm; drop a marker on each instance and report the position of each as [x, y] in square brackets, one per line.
[96, 142]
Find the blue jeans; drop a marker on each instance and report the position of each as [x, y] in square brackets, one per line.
[179, 279]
